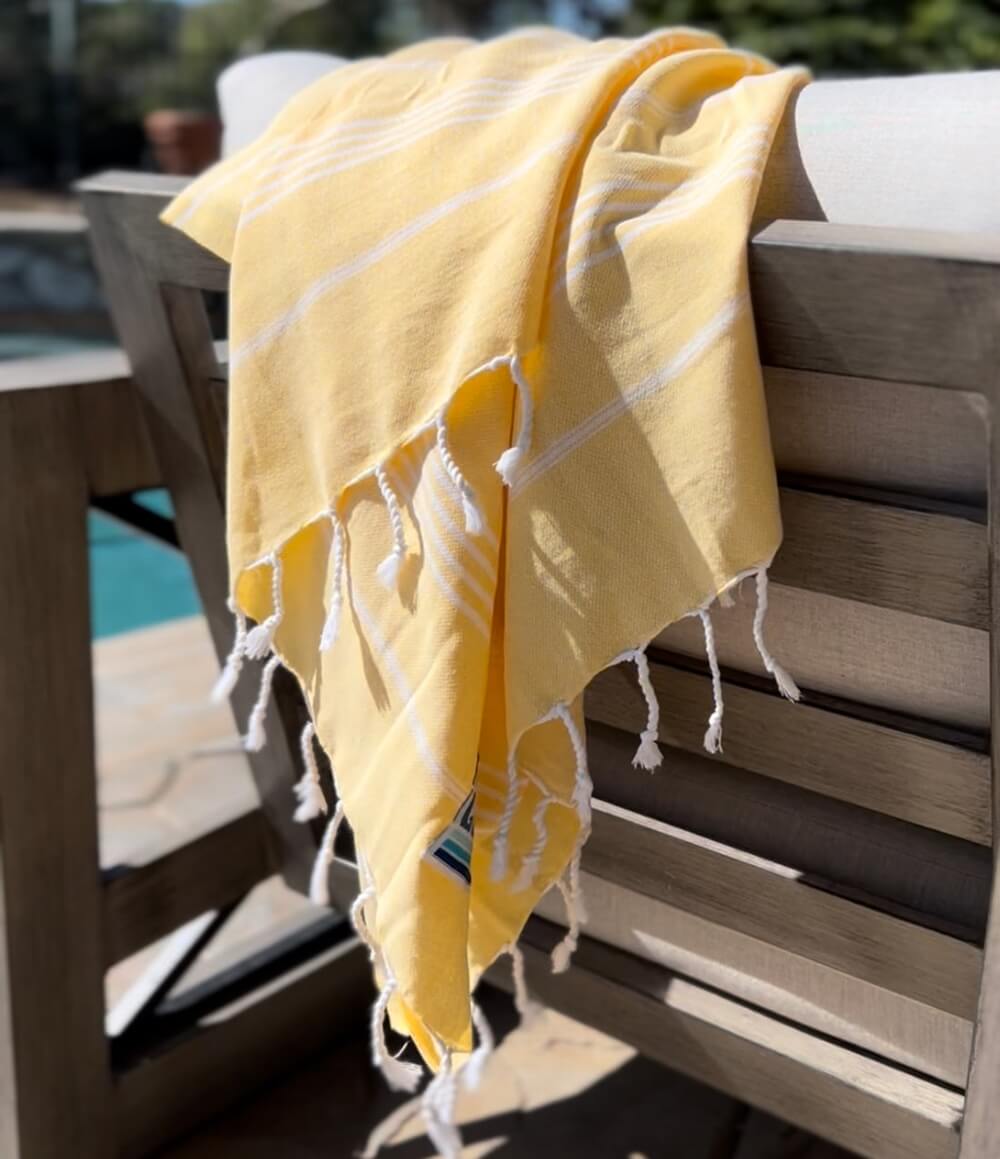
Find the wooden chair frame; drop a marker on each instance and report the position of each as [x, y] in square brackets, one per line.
[885, 306]
[75, 1079]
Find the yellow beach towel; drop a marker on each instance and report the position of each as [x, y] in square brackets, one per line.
[496, 419]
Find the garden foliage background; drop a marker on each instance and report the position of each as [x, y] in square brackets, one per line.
[129, 57]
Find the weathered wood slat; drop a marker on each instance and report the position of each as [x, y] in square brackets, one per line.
[875, 1110]
[981, 1129]
[910, 870]
[167, 338]
[923, 781]
[882, 658]
[115, 442]
[169, 255]
[145, 903]
[926, 564]
[835, 1004]
[55, 1089]
[905, 305]
[240, 1049]
[830, 426]
[773, 904]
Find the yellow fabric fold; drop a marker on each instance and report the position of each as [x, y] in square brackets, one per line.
[531, 252]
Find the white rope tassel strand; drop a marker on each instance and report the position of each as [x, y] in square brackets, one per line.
[582, 786]
[332, 625]
[234, 662]
[308, 789]
[524, 1004]
[254, 740]
[786, 685]
[529, 866]
[512, 458]
[713, 734]
[647, 755]
[390, 568]
[319, 880]
[400, 1076]
[501, 838]
[260, 640]
[438, 1106]
[572, 899]
[472, 1073]
[470, 508]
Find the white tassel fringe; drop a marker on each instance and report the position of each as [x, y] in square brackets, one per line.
[713, 734]
[472, 1072]
[400, 1076]
[786, 685]
[255, 738]
[509, 462]
[573, 900]
[389, 570]
[647, 755]
[524, 1004]
[332, 625]
[438, 1106]
[319, 880]
[501, 838]
[260, 640]
[309, 791]
[529, 866]
[470, 508]
[230, 673]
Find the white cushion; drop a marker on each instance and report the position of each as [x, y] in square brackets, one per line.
[253, 91]
[919, 152]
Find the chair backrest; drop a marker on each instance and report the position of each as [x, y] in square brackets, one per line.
[156, 280]
[833, 867]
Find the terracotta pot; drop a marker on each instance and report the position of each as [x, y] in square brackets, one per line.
[183, 143]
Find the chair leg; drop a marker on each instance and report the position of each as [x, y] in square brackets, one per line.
[981, 1122]
[55, 1078]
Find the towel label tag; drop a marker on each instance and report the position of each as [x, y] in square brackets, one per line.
[452, 851]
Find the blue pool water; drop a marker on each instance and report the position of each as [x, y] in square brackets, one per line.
[135, 581]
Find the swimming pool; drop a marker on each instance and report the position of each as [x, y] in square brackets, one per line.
[135, 581]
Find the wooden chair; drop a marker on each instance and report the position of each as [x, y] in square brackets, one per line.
[801, 922]
[70, 1085]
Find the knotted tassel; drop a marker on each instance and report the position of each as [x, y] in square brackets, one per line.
[472, 1073]
[332, 625]
[524, 1004]
[254, 740]
[438, 1106]
[501, 838]
[309, 791]
[399, 1075]
[319, 879]
[361, 926]
[786, 685]
[260, 640]
[713, 734]
[390, 568]
[647, 755]
[582, 786]
[230, 674]
[470, 508]
[529, 867]
[509, 462]
[563, 953]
